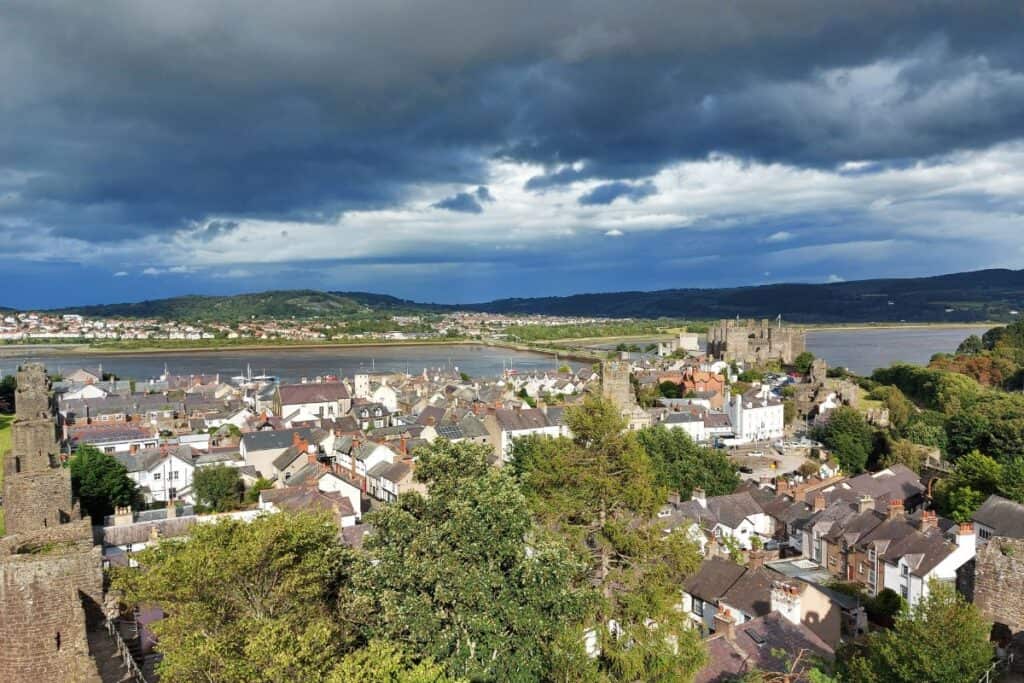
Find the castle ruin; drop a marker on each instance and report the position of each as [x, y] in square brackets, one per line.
[755, 342]
[51, 577]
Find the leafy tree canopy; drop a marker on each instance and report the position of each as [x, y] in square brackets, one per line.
[943, 638]
[218, 487]
[100, 482]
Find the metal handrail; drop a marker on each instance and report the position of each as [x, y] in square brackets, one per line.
[125, 652]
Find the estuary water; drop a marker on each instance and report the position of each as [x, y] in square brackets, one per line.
[860, 350]
[291, 365]
[863, 350]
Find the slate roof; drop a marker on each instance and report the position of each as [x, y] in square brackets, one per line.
[921, 551]
[754, 646]
[521, 420]
[274, 439]
[308, 499]
[894, 483]
[1004, 517]
[431, 415]
[286, 458]
[472, 427]
[751, 593]
[317, 392]
[713, 579]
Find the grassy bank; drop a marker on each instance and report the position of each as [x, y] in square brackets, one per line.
[5, 443]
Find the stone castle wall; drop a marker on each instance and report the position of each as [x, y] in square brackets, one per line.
[51, 577]
[755, 342]
[999, 582]
[615, 384]
[35, 501]
[42, 620]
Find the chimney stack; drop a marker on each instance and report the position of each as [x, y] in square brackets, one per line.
[699, 496]
[896, 509]
[965, 529]
[929, 520]
[724, 623]
[819, 502]
[781, 486]
[673, 497]
[755, 559]
[865, 503]
[123, 516]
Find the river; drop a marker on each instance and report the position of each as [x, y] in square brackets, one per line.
[863, 350]
[293, 364]
[859, 349]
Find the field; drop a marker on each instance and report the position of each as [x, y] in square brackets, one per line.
[5, 442]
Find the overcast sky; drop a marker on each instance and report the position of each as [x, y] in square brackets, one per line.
[466, 150]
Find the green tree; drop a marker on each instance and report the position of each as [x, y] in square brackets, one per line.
[975, 478]
[385, 662]
[802, 362]
[218, 487]
[680, 465]
[850, 438]
[8, 385]
[600, 490]
[943, 638]
[970, 346]
[1012, 484]
[261, 484]
[460, 576]
[669, 389]
[246, 601]
[100, 482]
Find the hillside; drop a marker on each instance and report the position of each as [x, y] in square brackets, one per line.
[275, 304]
[960, 297]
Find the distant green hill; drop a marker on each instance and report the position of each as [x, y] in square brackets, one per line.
[959, 297]
[276, 304]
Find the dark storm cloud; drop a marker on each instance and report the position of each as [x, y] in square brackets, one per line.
[123, 118]
[214, 229]
[463, 202]
[609, 192]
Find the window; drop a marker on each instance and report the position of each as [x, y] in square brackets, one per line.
[175, 475]
[698, 607]
[984, 533]
[904, 570]
[871, 555]
[108, 449]
[861, 568]
[904, 592]
[156, 476]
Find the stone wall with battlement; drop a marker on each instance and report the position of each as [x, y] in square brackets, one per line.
[42, 620]
[51, 576]
[999, 581]
[38, 500]
[755, 342]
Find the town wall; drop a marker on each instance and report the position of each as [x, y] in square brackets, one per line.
[42, 620]
[51, 577]
[999, 582]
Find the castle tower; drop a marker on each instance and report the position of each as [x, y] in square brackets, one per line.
[615, 384]
[37, 490]
[51, 577]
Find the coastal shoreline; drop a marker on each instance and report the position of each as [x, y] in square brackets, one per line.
[72, 349]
